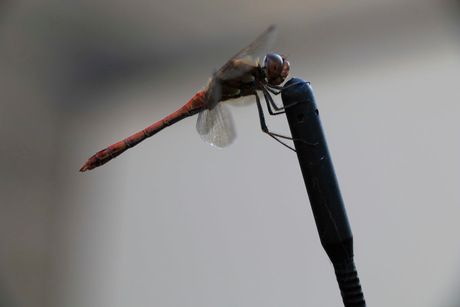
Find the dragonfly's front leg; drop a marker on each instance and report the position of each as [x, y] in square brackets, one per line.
[273, 109]
[277, 89]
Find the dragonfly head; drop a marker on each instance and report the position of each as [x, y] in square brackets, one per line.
[276, 68]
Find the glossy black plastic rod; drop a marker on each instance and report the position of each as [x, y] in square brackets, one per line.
[322, 187]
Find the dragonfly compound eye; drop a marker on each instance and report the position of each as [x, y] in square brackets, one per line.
[276, 67]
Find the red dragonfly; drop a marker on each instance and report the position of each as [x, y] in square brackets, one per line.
[241, 76]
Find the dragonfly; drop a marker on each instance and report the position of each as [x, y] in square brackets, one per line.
[241, 77]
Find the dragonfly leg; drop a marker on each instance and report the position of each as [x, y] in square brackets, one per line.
[273, 88]
[273, 109]
[270, 88]
[274, 135]
[264, 127]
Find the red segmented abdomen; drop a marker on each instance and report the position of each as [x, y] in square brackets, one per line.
[195, 105]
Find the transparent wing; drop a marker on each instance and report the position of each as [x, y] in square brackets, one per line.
[242, 101]
[233, 70]
[258, 48]
[215, 126]
[252, 54]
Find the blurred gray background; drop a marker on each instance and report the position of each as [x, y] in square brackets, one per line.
[175, 222]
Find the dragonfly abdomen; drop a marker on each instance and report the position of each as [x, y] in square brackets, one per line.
[195, 105]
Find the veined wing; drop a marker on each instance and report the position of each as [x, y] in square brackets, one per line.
[252, 54]
[216, 126]
[242, 101]
[257, 49]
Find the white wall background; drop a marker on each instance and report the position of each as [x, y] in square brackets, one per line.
[175, 222]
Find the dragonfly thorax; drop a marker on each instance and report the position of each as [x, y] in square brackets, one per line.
[276, 68]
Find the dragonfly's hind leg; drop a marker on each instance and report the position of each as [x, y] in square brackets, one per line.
[264, 127]
[274, 135]
[273, 109]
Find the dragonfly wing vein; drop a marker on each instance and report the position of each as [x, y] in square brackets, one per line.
[216, 126]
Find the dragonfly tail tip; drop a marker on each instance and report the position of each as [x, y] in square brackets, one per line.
[84, 167]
